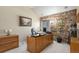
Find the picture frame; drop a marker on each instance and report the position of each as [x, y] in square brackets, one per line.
[25, 21]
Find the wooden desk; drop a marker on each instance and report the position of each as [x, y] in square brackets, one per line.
[37, 44]
[74, 45]
[8, 42]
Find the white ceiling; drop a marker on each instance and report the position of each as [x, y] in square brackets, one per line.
[47, 10]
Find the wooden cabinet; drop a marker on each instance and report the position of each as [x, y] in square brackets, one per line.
[8, 42]
[37, 44]
[74, 45]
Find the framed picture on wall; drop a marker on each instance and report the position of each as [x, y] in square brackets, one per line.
[25, 21]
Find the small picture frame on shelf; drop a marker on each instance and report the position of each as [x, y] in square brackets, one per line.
[25, 21]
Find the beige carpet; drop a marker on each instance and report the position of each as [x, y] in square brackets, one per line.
[53, 48]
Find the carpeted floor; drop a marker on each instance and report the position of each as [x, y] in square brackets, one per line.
[53, 48]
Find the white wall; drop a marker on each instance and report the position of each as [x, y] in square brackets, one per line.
[9, 19]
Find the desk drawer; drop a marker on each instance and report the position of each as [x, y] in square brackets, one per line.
[8, 46]
[6, 40]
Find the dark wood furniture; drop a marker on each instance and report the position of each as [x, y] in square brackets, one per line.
[74, 45]
[8, 42]
[37, 44]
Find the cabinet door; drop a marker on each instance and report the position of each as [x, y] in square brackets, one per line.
[74, 45]
[74, 48]
[39, 44]
[45, 41]
[50, 38]
[31, 44]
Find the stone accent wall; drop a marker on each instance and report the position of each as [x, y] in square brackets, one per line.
[60, 23]
[64, 19]
[63, 15]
